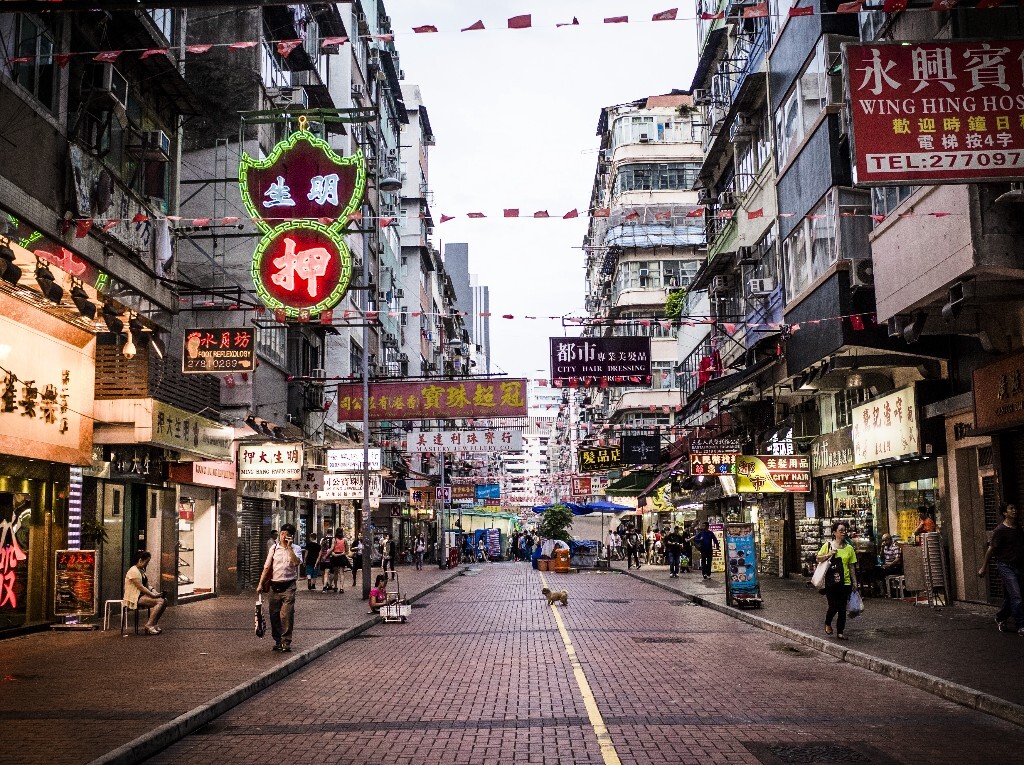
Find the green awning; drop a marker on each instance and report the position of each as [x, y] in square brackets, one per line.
[631, 485]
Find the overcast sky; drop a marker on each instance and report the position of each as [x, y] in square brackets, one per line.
[515, 116]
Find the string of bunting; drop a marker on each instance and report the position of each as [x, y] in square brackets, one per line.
[522, 21]
[83, 226]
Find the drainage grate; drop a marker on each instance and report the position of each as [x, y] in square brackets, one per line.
[612, 600]
[672, 640]
[817, 753]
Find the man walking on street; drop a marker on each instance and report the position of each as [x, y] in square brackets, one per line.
[634, 544]
[1007, 547]
[706, 542]
[674, 548]
[280, 574]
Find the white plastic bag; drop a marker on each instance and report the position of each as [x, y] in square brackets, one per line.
[855, 605]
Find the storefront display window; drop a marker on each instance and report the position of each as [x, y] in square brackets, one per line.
[852, 499]
[197, 541]
[910, 497]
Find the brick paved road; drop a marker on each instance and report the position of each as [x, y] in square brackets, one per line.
[481, 674]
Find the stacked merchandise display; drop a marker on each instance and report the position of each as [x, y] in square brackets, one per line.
[809, 537]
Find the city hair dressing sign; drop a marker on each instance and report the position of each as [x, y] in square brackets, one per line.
[943, 111]
[301, 198]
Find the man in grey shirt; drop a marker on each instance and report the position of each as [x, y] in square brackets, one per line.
[280, 574]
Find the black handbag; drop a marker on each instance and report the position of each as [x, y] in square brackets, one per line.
[834, 573]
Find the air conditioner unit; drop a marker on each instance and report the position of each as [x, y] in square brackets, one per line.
[760, 287]
[701, 96]
[318, 374]
[862, 273]
[719, 285]
[727, 199]
[747, 256]
[289, 97]
[156, 146]
[399, 294]
[384, 296]
[645, 138]
[745, 125]
[110, 85]
[401, 74]
[703, 196]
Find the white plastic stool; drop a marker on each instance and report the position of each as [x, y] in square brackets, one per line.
[897, 582]
[107, 605]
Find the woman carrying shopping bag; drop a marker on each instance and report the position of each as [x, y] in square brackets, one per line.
[840, 577]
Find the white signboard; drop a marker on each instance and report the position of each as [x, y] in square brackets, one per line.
[270, 461]
[351, 460]
[342, 486]
[491, 440]
[886, 428]
[310, 482]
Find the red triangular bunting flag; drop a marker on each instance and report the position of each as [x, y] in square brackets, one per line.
[152, 52]
[729, 327]
[520, 22]
[632, 215]
[697, 212]
[574, 23]
[285, 47]
[944, 5]
[573, 213]
[385, 222]
[511, 212]
[507, 316]
[198, 48]
[425, 29]
[109, 225]
[727, 214]
[82, 227]
[663, 216]
[107, 56]
[757, 11]
[475, 215]
[140, 218]
[62, 59]
[541, 214]
[230, 220]
[242, 45]
[617, 20]
[601, 212]
[712, 16]
[446, 218]
[754, 214]
[280, 316]
[853, 7]
[474, 27]
[669, 15]
[357, 215]
[324, 221]
[328, 41]
[326, 317]
[807, 10]
[894, 6]
[384, 38]
[200, 222]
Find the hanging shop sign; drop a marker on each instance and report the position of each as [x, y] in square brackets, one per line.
[311, 482]
[275, 461]
[715, 446]
[713, 464]
[936, 112]
[781, 442]
[47, 375]
[773, 475]
[351, 460]
[487, 491]
[302, 197]
[886, 428]
[614, 359]
[348, 486]
[419, 497]
[218, 475]
[999, 394]
[219, 350]
[832, 453]
[257, 489]
[75, 583]
[581, 486]
[462, 492]
[455, 441]
[640, 450]
[434, 399]
[177, 429]
[592, 459]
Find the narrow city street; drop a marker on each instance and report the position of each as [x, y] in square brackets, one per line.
[486, 672]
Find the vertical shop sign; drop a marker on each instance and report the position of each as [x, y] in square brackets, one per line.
[13, 566]
[948, 111]
[742, 573]
[718, 558]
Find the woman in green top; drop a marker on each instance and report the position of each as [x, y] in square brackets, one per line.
[838, 595]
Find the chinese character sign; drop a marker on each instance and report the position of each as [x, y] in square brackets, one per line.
[615, 358]
[487, 491]
[230, 349]
[999, 393]
[715, 446]
[886, 428]
[456, 441]
[311, 481]
[75, 583]
[347, 486]
[593, 459]
[773, 475]
[712, 464]
[581, 486]
[13, 558]
[177, 429]
[276, 461]
[301, 198]
[434, 399]
[351, 460]
[937, 112]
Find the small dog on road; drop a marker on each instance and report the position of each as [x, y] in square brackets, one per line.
[556, 597]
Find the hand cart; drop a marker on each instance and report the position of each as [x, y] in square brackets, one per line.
[399, 610]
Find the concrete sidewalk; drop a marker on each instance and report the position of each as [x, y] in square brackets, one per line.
[78, 697]
[955, 651]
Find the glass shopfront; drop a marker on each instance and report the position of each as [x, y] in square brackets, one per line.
[197, 540]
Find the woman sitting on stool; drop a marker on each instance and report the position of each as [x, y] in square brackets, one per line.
[137, 593]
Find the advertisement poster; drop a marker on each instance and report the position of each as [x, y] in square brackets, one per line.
[226, 349]
[434, 399]
[343, 486]
[581, 486]
[351, 460]
[773, 475]
[742, 574]
[75, 588]
[718, 558]
[487, 491]
[715, 446]
[613, 360]
[942, 111]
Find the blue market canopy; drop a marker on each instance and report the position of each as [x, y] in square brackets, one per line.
[573, 508]
[604, 506]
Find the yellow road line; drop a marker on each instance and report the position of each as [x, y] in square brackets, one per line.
[604, 739]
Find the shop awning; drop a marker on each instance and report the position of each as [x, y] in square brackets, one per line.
[631, 485]
[677, 465]
[722, 385]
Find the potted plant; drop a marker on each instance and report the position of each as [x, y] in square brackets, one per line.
[94, 533]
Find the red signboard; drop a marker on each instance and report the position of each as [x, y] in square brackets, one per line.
[943, 111]
[434, 399]
[303, 266]
[581, 486]
[219, 349]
